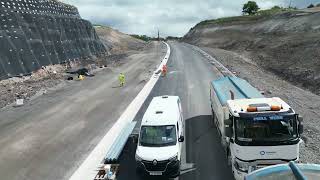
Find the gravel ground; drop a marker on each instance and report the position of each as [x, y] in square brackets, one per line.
[304, 102]
[27, 86]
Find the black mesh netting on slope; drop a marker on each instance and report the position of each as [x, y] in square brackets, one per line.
[36, 33]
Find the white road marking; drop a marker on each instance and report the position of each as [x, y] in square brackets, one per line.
[173, 72]
[87, 169]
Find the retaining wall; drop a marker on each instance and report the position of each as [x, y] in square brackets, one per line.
[36, 33]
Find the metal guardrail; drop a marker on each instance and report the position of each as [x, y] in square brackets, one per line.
[119, 143]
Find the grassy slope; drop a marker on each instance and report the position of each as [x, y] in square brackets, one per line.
[246, 18]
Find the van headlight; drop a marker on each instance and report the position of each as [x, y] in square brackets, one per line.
[138, 158]
[174, 158]
[241, 166]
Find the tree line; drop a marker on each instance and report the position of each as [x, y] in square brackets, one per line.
[252, 8]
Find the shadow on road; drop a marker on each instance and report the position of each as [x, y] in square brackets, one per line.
[203, 148]
[128, 165]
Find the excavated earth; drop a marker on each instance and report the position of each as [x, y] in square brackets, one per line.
[286, 44]
[279, 55]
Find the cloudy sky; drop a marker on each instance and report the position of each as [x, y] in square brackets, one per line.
[171, 17]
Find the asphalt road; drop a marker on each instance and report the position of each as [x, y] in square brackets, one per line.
[189, 76]
[50, 136]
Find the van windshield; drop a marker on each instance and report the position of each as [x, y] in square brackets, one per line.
[157, 136]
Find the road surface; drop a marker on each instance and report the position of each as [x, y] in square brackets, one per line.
[189, 77]
[49, 137]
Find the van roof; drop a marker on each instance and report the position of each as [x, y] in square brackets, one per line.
[163, 110]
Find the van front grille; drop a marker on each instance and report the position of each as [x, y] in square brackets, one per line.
[160, 166]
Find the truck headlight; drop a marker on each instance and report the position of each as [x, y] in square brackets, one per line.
[241, 166]
[174, 158]
[138, 158]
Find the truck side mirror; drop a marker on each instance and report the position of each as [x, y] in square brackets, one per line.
[300, 125]
[300, 128]
[228, 122]
[228, 131]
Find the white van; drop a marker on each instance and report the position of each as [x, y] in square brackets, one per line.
[160, 138]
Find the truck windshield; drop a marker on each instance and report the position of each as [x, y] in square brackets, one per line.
[273, 129]
[158, 136]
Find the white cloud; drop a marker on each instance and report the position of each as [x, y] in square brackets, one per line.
[172, 17]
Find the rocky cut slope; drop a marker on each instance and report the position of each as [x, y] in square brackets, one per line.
[286, 43]
[117, 42]
[36, 33]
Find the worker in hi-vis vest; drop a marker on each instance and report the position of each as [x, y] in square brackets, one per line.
[122, 79]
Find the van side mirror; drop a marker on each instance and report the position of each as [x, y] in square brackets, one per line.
[228, 122]
[228, 131]
[181, 139]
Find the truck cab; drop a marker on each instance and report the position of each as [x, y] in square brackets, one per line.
[255, 131]
[160, 138]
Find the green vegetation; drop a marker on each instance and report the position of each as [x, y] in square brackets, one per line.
[250, 8]
[97, 25]
[141, 37]
[260, 14]
[172, 38]
[147, 38]
[274, 10]
[310, 6]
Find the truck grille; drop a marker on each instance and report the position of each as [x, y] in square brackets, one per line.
[160, 166]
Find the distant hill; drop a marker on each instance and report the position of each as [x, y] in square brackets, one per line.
[283, 42]
[117, 42]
